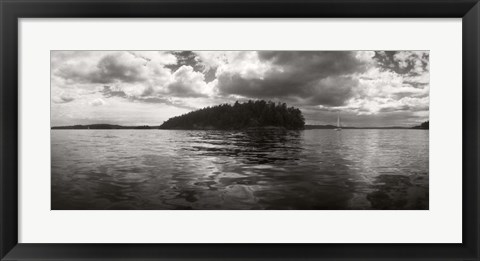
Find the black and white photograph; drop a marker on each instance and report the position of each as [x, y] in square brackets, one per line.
[239, 130]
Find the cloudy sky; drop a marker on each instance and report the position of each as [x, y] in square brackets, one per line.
[364, 88]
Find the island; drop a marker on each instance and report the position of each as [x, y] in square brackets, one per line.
[239, 116]
[423, 126]
[103, 127]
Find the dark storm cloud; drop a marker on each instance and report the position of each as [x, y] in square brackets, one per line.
[388, 60]
[314, 64]
[312, 77]
[334, 91]
[385, 59]
[185, 58]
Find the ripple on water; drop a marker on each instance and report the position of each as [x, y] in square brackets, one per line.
[311, 169]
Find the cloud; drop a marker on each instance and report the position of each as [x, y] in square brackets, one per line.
[62, 99]
[332, 91]
[348, 118]
[381, 90]
[111, 67]
[97, 102]
[65, 95]
[112, 92]
[302, 76]
[131, 75]
[188, 83]
[404, 62]
[122, 67]
[359, 83]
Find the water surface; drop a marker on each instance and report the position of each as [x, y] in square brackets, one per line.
[260, 169]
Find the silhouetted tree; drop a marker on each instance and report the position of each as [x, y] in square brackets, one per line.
[424, 125]
[250, 114]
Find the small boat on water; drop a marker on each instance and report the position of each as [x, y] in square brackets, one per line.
[338, 128]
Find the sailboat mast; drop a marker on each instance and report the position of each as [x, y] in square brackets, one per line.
[338, 121]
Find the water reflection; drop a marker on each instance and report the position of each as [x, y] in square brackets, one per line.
[256, 169]
[399, 192]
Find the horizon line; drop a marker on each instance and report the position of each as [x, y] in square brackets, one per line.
[146, 125]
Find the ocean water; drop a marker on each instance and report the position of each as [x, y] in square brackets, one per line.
[239, 170]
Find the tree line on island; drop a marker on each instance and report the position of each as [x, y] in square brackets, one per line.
[251, 114]
[103, 126]
[424, 126]
[247, 115]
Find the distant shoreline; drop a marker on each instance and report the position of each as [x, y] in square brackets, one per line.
[147, 127]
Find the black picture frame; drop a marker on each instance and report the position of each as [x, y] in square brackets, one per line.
[12, 10]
